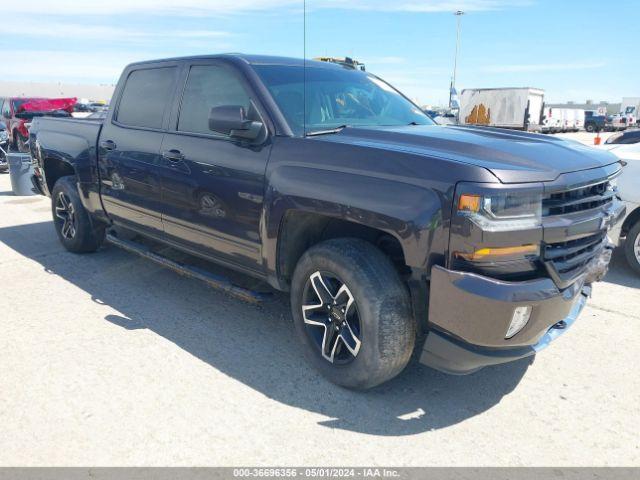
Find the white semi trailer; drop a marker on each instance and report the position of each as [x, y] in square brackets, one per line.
[515, 108]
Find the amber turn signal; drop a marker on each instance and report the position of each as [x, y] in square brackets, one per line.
[488, 253]
[469, 203]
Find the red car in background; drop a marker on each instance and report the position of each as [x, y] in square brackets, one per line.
[18, 112]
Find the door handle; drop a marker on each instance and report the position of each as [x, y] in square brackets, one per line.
[173, 155]
[108, 145]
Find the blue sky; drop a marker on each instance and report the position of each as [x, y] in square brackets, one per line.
[573, 49]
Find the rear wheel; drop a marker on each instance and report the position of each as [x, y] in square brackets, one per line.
[589, 128]
[632, 248]
[352, 313]
[74, 227]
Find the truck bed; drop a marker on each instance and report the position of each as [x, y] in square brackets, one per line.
[67, 137]
[69, 140]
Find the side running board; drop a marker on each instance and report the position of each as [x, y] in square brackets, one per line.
[215, 281]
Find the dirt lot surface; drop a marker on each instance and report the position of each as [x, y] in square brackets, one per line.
[108, 359]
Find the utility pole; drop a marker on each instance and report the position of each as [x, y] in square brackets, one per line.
[458, 15]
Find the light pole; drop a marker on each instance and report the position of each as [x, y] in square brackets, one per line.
[458, 14]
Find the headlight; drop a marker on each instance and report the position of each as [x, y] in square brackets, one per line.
[497, 211]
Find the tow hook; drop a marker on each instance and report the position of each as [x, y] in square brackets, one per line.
[561, 325]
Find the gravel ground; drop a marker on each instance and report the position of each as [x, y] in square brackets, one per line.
[107, 359]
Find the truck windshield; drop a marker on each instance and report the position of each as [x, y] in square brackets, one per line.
[336, 97]
[17, 103]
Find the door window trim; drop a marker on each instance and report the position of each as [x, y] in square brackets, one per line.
[175, 116]
[167, 109]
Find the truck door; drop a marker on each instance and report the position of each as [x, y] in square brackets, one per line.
[213, 185]
[129, 148]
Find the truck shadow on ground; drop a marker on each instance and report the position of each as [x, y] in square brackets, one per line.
[257, 345]
[620, 272]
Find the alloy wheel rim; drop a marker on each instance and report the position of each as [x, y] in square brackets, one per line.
[65, 212]
[331, 318]
[636, 248]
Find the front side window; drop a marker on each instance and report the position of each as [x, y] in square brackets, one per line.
[209, 86]
[146, 96]
[335, 97]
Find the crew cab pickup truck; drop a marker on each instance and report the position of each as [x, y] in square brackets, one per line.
[471, 246]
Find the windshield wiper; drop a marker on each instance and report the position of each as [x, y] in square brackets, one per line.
[314, 133]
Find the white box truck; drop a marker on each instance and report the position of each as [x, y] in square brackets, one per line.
[573, 119]
[516, 108]
[551, 120]
[579, 119]
[631, 110]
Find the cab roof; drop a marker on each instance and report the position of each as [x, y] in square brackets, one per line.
[249, 59]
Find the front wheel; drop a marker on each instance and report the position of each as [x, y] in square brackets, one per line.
[74, 227]
[632, 248]
[352, 313]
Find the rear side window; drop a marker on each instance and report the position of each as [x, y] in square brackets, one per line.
[146, 96]
[209, 86]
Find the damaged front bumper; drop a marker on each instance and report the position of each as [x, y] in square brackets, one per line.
[469, 316]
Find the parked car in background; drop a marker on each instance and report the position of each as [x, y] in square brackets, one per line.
[4, 147]
[616, 123]
[593, 122]
[101, 115]
[18, 113]
[383, 227]
[628, 182]
[441, 117]
[630, 136]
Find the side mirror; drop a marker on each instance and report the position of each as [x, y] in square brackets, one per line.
[232, 120]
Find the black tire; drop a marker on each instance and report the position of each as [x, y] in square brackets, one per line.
[630, 247]
[590, 128]
[386, 328]
[76, 231]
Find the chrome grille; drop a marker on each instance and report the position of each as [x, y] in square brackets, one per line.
[566, 260]
[578, 200]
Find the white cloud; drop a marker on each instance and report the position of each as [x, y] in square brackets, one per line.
[224, 7]
[42, 28]
[541, 67]
[50, 65]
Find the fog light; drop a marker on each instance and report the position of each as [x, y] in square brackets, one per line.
[521, 316]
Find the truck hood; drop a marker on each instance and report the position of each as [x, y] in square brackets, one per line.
[512, 156]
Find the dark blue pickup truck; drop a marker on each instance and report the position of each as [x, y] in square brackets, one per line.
[470, 246]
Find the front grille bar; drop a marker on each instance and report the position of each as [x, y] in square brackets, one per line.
[566, 261]
[578, 200]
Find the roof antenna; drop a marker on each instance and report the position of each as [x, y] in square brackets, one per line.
[304, 68]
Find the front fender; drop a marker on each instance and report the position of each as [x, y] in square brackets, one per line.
[416, 216]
